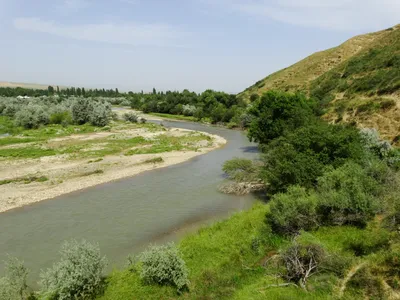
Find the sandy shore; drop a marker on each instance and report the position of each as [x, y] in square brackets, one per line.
[66, 175]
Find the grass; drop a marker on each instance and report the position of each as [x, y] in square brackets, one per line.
[174, 117]
[94, 172]
[25, 180]
[226, 261]
[165, 143]
[154, 160]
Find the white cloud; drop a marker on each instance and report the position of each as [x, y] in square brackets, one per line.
[122, 33]
[328, 14]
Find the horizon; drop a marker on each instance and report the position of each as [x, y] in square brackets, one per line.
[136, 45]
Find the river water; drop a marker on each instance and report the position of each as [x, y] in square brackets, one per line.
[125, 216]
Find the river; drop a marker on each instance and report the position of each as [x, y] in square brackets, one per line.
[125, 216]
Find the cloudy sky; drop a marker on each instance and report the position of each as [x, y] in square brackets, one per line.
[174, 44]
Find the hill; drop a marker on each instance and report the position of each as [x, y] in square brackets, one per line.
[25, 85]
[358, 81]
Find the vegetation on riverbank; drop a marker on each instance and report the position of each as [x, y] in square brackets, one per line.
[328, 231]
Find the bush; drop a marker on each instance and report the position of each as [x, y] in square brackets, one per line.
[241, 170]
[348, 196]
[131, 117]
[31, 116]
[13, 286]
[188, 110]
[63, 118]
[81, 110]
[164, 265]
[302, 261]
[101, 114]
[293, 211]
[367, 242]
[77, 276]
[373, 143]
[301, 156]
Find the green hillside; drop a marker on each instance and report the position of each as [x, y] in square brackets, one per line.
[359, 81]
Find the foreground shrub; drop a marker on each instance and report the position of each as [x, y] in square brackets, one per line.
[77, 276]
[31, 116]
[302, 261]
[131, 117]
[101, 114]
[81, 110]
[164, 265]
[348, 196]
[292, 211]
[13, 286]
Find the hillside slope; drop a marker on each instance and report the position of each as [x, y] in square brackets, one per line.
[358, 81]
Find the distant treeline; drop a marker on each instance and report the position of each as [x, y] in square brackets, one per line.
[216, 106]
[70, 91]
[212, 106]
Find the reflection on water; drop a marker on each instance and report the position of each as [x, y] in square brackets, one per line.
[125, 215]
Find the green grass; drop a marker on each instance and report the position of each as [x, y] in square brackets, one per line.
[165, 143]
[31, 152]
[174, 117]
[226, 261]
[26, 180]
[154, 160]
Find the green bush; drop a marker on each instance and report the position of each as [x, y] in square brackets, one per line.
[277, 113]
[63, 118]
[31, 116]
[367, 242]
[164, 265]
[78, 275]
[241, 170]
[292, 211]
[13, 286]
[81, 110]
[348, 196]
[131, 117]
[100, 115]
[302, 156]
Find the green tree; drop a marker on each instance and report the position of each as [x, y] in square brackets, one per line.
[277, 113]
[50, 90]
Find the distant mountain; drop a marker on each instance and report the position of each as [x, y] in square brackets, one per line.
[359, 81]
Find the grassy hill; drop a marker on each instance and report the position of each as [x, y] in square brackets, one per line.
[358, 81]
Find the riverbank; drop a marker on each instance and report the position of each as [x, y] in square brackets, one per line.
[78, 161]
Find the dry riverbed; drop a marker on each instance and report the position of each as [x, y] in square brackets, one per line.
[43, 165]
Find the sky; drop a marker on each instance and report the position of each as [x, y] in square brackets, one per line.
[225, 45]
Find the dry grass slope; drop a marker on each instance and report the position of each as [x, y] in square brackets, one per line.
[358, 80]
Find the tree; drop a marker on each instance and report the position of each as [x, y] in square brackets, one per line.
[50, 90]
[301, 156]
[58, 89]
[277, 113]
